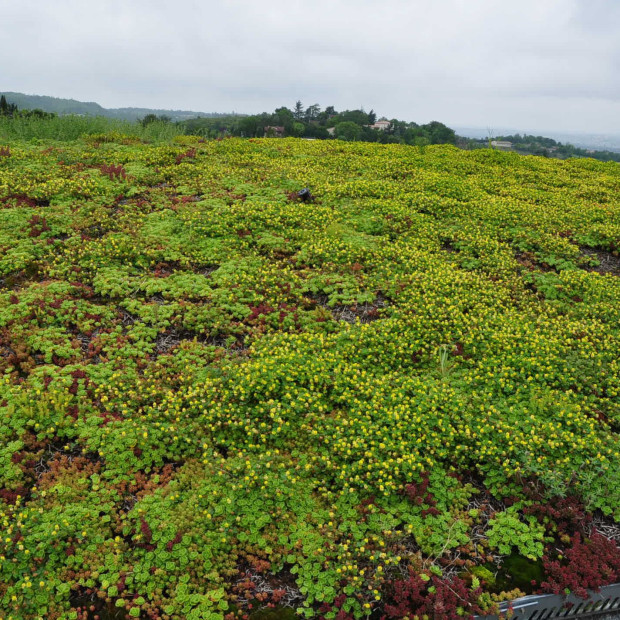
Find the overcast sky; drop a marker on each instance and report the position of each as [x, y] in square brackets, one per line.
[527, 64]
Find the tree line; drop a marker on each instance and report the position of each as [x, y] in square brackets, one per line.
[526, 144]
[315, 122]
[547, 147]
[351, 125]
[10, 110]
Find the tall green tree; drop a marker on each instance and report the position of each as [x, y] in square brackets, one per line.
[283, 117]
[312, 112]
[298, 112]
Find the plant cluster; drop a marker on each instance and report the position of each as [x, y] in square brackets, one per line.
[217, 397]
[582, 566]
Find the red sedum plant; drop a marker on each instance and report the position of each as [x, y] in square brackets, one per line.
[585, 565]
[435, 597]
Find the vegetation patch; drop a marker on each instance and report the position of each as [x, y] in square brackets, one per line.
[399, 397]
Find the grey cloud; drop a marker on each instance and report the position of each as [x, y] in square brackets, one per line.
[531, 64]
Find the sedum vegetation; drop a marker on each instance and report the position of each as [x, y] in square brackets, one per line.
[217, 397]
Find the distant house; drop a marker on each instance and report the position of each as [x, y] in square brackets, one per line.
[381, 125]
[502, 145]
[273, 131]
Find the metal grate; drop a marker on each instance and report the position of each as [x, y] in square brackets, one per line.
[602, 604]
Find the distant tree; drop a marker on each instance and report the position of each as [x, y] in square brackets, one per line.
[153, 118]
[371, 135]
[298, 112]
[348, 130]
[312, 112]
[249, 127]
[372, 117]
[37, 113]
[210, 127]
[438, 133]
[283, 117]
[316, 131]
[148, 119]
[388, 138]
[421, 142]
[412, 133]
[298, 129]
[398, 128]
[359, 117]
[328, 113]
[7, 109]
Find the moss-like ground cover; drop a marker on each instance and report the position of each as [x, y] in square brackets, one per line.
[215, 397]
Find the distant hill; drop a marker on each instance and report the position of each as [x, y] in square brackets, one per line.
[53, 104]
[90, 108]
[596, 141]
